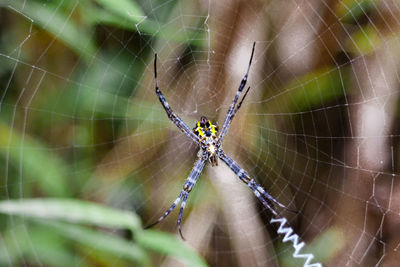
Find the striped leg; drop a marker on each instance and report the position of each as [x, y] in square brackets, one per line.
[236, 109]
[252, 185]
[231, 111]
[238, 106]
[187, 188]
[171, 114]
[271, 198]
[183, 205]
[260, 193]
[167, 212]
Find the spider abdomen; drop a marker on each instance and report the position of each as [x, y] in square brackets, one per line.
[205, 129]
[208, 133]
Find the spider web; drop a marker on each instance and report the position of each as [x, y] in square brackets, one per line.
[79, 119]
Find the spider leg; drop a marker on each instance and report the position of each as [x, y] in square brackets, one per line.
[171, 114]
[237, 108]
[231, 110]
[167, 212]
[183, 205]
[260, 193]
[239, 105]
[260, 197]
[187, 188]
[271, 198]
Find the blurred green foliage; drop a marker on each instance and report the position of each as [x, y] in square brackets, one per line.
[81, 217]
[50, 124]
[349, 11]
[312, 90]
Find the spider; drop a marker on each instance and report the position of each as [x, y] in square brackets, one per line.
[209, 139]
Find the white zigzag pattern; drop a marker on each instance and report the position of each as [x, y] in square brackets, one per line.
[295, 240]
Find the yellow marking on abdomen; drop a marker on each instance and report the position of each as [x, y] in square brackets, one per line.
[199, 129]
[213, 131]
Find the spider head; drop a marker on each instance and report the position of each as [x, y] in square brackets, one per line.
[205, 129]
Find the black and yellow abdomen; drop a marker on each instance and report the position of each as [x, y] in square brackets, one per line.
[205, 129]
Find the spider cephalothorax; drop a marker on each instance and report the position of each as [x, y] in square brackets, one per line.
[206, 135]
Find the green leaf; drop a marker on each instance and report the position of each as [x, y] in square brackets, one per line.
[169, 245]
[311, 90]
[327, 244]
[364, 41]
[46, 241]
[101, 241]
[350, 10]
[86, 102]
[127, 9]
[148, 26]
[77, 211]
[38, 161]
[48, 17]
[33, 243]
[72, 210]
